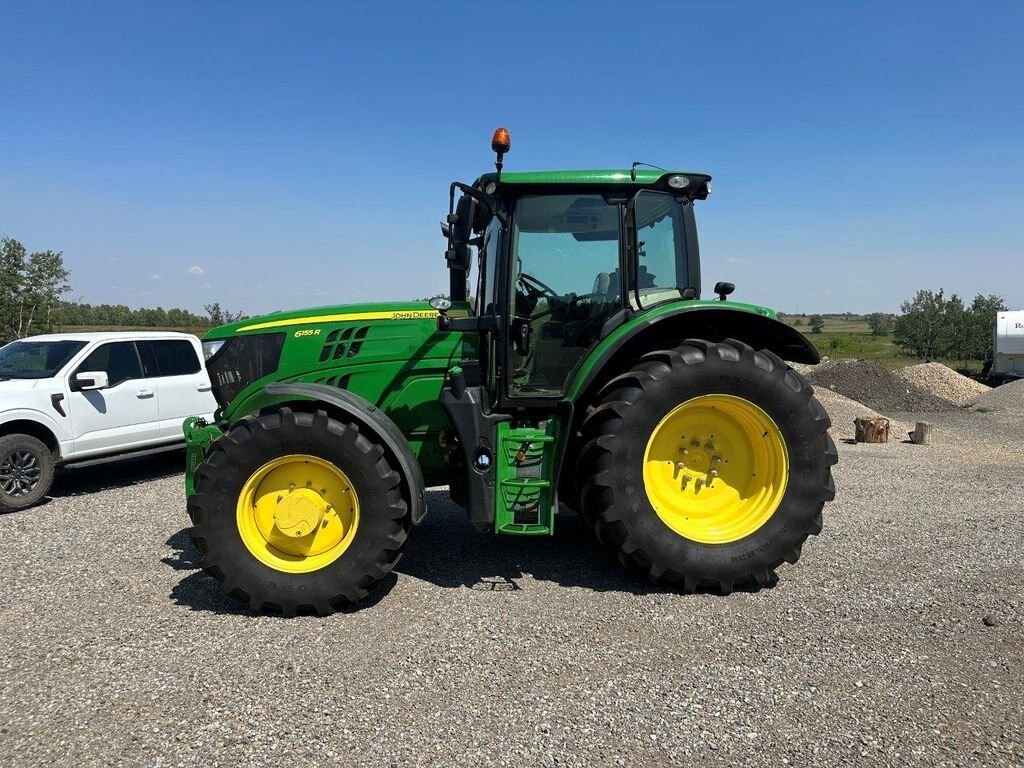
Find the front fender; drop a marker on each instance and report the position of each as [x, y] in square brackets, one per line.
[61, 430]
[377, 422]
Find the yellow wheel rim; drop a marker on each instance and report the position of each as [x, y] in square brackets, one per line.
[297, 513]
[716, 468]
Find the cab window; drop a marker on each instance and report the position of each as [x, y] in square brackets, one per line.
[565, 275]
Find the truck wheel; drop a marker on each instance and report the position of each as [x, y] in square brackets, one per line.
[298, 513]
[26, 472]
[706, 465]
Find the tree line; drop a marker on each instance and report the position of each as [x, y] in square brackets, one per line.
[935, 327]
[32, 286]
[931, 325]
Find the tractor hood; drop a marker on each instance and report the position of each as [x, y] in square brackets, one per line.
[300, 319]
[325, 345]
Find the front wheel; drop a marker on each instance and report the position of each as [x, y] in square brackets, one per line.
[298, 512]
[26, 471]
[706, 465]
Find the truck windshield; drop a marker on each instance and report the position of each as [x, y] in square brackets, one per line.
[36, 359]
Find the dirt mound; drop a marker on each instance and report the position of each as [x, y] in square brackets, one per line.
[1008, 397]
[942, 381]
[871, 384]
[842, 410]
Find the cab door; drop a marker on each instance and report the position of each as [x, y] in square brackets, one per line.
[565, 283]
[123, 415]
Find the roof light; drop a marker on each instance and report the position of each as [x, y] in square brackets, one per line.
[490, 187]
[678, 182]
[501, 142]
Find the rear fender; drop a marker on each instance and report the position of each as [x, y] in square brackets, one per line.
[625, 344]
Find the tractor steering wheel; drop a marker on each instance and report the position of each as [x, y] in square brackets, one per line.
[534, 288]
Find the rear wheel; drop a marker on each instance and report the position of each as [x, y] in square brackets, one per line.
[298, 513]
[706, 465]
[26, 472]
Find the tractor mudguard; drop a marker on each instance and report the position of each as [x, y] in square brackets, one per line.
[655, 330]
[375, 420]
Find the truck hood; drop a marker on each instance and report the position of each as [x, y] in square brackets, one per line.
[395, 310]
[10, 387]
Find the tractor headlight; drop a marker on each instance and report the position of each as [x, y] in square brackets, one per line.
[678, 182]
[211, 348]
[490, 187]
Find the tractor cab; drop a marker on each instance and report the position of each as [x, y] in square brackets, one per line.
[562, 259]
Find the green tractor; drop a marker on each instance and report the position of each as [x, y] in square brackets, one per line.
[574, 360]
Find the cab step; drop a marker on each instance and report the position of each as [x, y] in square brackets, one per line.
[526, 501]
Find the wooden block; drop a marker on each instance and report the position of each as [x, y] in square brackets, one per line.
[922, 434]
[871, 430]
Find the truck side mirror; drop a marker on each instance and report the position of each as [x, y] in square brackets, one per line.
[86, 380]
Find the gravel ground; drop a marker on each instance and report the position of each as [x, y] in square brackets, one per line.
[869, 383]
[942, 381]
[1009, 398]
[897, 640]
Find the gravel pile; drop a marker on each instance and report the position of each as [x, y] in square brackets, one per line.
[942, 381]
[871, 384]
[842, 410]
[1008, 397]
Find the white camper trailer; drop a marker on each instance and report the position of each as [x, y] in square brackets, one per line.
[1008, 352]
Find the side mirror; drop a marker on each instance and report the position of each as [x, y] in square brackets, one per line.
[723, 290]
[86, 380]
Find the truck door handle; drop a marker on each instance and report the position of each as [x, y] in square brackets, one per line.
[143, 393]
[204, 387]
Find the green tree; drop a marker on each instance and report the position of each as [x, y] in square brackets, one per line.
[881, 323]
[817, 323]
[920, 330]
[31, 285]
[218, 316]
[982, 322]
[933, 326]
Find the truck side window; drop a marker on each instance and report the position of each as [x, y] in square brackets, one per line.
[118, 359]
[175, 357]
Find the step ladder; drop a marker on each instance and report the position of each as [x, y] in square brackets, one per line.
[526, 501]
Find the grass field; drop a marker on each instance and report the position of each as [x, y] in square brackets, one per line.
[843, 338]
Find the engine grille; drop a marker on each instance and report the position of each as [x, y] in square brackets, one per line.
[241, 361]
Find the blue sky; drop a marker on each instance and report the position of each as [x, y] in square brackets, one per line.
[272, 155]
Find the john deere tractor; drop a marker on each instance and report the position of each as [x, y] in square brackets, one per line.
[573, 361]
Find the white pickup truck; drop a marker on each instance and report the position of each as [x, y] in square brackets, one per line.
[72, 397]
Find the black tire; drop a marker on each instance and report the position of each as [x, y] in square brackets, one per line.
[251, 443]
[615, 436]
[26, 472]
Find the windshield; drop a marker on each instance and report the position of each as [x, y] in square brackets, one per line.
[36, 359]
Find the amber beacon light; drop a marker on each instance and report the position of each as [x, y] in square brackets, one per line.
[501, 142]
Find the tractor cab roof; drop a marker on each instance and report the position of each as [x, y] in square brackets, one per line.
[695, 185]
